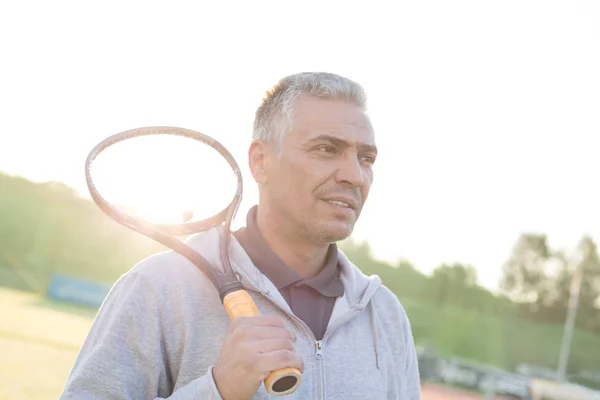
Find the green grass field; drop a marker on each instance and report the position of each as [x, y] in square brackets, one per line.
[498, 340]
[39, 341]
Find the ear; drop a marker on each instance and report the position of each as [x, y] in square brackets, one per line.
[258, 161]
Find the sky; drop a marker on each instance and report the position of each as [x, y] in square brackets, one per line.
[487, 114]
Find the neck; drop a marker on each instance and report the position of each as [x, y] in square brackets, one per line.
[307, 259]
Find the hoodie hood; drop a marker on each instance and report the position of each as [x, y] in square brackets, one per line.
[359, 287]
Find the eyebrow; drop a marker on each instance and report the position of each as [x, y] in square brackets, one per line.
[343, 143]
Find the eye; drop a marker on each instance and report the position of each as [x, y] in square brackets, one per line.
[369, 159]
[327, 149]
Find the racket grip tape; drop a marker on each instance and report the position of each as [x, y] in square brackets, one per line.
[278, 383]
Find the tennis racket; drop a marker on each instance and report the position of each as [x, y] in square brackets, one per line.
[169, 182]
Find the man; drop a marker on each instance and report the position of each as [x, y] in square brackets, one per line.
[162, 332]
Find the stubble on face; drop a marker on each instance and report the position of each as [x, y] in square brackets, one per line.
[320, 181]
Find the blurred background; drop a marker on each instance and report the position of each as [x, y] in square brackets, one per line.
[484, 217]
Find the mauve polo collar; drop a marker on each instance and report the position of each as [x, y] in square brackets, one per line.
[327, 282]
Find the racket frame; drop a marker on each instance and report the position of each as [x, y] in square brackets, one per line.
[224, 280]
[236, 300]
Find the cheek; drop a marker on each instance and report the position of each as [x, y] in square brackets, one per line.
[299, 180]
[366, 187]
[287, 180]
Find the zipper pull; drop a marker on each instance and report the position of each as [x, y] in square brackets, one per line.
[319, 349]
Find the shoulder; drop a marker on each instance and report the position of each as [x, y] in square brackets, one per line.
[389, 306]
[393, 318]
[162, 267]
[168, 271]
[390, 310]
[371, 286]
[171, 289]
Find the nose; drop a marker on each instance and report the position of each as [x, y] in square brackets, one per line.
[350, 171]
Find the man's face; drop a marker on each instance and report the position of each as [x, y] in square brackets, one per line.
[321, 180]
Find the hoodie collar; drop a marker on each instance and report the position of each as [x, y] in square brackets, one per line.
[359, 288]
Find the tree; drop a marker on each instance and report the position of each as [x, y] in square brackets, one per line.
[45, 229]
[456, 274]
[559, 299]
[589, 293]
[585, 260]
[524, 275]
[449, 283]
[403, 278]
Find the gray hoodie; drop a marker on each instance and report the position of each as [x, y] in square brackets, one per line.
[158, 334]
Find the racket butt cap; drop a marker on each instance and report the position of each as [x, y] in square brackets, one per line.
[283, 382]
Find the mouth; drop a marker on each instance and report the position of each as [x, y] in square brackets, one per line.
[345, 203]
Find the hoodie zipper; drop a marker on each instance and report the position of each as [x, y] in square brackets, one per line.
[318, 343]
[319, 357]
[309, 332]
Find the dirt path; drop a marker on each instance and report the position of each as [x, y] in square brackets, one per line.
[435, 392]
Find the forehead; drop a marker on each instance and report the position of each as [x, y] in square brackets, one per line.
[314, 117]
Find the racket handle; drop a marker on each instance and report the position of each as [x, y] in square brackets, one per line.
[281, 382]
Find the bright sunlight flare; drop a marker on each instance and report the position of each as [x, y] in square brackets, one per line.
[164, 178]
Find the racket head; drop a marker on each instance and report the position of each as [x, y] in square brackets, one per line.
[278, 383]
[146, 148]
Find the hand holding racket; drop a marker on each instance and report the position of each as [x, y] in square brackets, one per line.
[252, 348]
[165, 182]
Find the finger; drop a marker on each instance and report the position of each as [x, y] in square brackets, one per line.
[259, 320]
[254, 333]
[268, 345]
[279, 359]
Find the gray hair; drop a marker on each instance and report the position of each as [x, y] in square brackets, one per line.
[274, 117]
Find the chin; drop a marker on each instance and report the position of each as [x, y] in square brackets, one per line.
[334, 232]
[325, 228]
